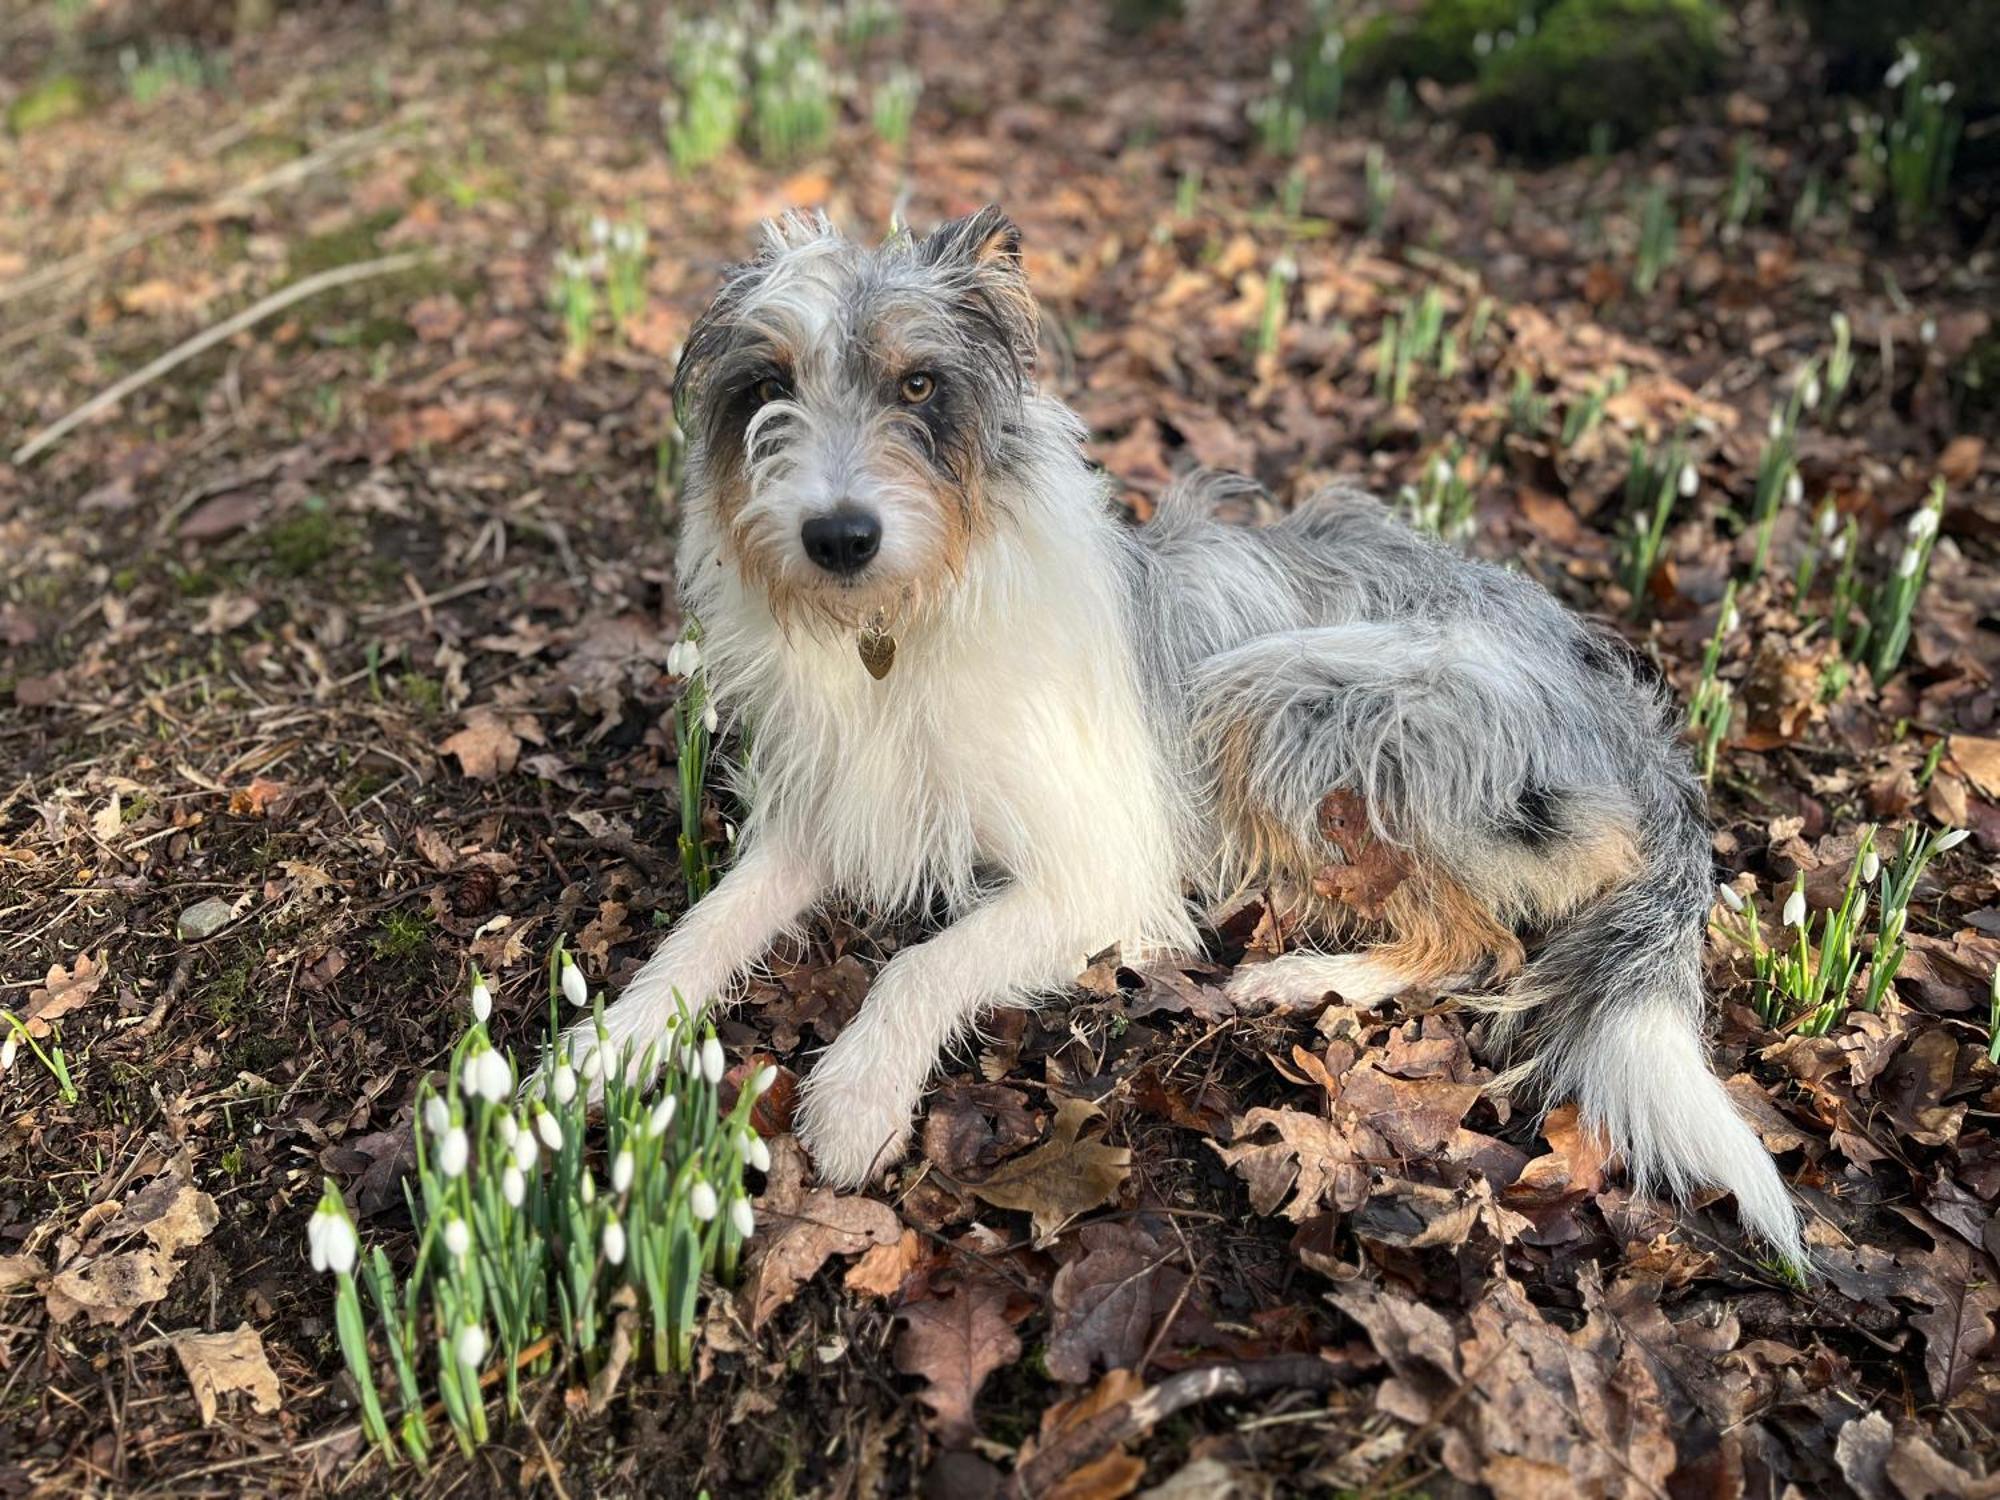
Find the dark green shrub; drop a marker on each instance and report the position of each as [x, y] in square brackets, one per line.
[1613, 70]
[1435, 39]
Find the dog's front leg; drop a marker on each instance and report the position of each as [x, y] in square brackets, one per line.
[768, 889]
[859, 1098]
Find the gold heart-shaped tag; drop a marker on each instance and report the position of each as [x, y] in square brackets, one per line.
[878, 651]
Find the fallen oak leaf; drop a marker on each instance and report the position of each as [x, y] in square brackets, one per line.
[489, 745]
[953, 1344]
[1372, 869]
[883, 1269]
[1310, 1154]
[63, 991]
[170, 1213]
[1065, 1176]
[217, 1363]
[1112, 1474]
[1103, 1304]
[802, 1229]
[110, 1289]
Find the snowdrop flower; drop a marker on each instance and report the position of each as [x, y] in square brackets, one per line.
[437, 1115]
[1729, 898]
[496, 1079]
[549, 1129]
[741, 1219]
[710, 719]
[762, 1079]
[330, 1240]
[513, 1186]
[754, 1152]
[1906, 565]
[1690, 481]
[1482, 44]
[482, 1001]
[1810, 392]
[468, 1074]
[1837, 549]
[591, 1067]
[684, 658]
[662, 1116]
[711, 1060]
[454, 1150]
[600, 230]
[562, 1083]
[586, 1189]
[1922, 524]
[701, 1201]
[621, 1171]
[1441, 473]
[8, 1049]
[1776, 426]
[1795, 909]
[1953, 839]
[1795, 489]
[1730, 620]
[470, 1346]
[1861, 911]
[457, 1237]
[574, 989]
[1871, 866]
[1829, 520]
[1927, 331]
[526, 1152]
[614, 1243]
[509, 1129]
[1945, 90]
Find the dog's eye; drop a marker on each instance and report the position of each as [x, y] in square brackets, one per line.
[770, 388]
[918, 387]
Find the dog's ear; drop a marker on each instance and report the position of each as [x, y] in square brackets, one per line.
[981, 253]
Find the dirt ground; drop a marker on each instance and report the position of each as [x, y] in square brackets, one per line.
[333, 662]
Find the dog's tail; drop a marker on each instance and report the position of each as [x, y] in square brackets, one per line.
[1611, 1012]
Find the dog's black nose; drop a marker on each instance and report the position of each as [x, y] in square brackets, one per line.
[843, 541]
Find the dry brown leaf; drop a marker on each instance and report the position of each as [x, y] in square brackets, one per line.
[261, 798]
[882, 1268]
[63, 991]
[1103, 1304]
[489, 744]
[1061, 1178]
[1372, 870]
[110, 1289]
[800, 1229]
[217, 1363]
[172, 1214]
[954, 1344]
[1978, 760]
[1109, 1476]
[20, 1270]
[1310, 1153]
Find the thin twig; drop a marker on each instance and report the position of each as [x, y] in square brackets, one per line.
[181, 353]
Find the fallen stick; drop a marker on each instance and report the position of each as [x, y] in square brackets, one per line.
[1150, 1407]
[181, 353]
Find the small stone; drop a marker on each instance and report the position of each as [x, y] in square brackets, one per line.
[203, 919]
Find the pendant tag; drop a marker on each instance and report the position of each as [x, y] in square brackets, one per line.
[877, 646]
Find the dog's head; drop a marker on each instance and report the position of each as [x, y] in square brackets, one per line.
[851, 411]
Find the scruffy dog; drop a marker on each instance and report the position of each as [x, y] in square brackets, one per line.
[964, 680]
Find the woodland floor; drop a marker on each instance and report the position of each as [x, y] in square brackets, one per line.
[357, 624]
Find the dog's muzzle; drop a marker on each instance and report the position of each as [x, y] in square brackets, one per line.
[843, 541]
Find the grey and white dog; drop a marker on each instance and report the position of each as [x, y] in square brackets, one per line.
[966, 680]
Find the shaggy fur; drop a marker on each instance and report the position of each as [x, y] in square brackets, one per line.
[1086, 721]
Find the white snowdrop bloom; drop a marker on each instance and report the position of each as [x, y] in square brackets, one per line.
[509, 1130]
[513, 1186]
[562, 1083]
[1729, 898]
[729, 833]
[1837, 549]
[622, 1167]
[690, 1059]
[437, 1115]
[710, 719]
[1730, 620]
[1906, 565]
[701, 1201]
[1861, 911]
[1829, 522]
[741, 1219]
[496, 1078]
[1441, 473]
[662, 1116]
[482, 1001]
[1810, 392]
[1953, 839]
[574, 988]
[330, 1241]
[756, 1154]
[1482, 44]
[457, 1237]
[1927, 331]
[527, 1151]
[614, 1243]
[1871, 866]
[591, 1065]
[454, 1150]
[762, 1079]
[549, 1128]
[1945, 91]
[1922, 523]
[8, 1049]
[586, 1189]
[468, 1074]
[1795, 490]
[1776, 426]
[1690, 481]
[1795, 909]
[600, 230]
[711, 1060]
[470, 1346]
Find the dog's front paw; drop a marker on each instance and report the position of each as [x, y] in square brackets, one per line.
[1302, 981]
[852, 1128]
